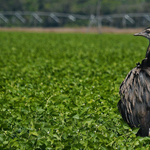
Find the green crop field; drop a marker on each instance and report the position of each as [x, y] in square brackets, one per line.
[60, 91]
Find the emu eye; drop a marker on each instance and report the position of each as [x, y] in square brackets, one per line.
[147, 31]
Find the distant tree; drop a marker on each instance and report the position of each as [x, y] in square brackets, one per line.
[11, 5]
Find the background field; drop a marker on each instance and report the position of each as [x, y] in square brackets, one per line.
[60, 91]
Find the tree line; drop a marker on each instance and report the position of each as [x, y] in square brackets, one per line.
[76, 6]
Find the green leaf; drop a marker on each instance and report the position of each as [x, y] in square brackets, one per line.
[135, 130]
[33, 133]
[76, 116]
[5, 142]
[136, 143]
[126, 127]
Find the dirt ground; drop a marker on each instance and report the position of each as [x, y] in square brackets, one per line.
[74, 30]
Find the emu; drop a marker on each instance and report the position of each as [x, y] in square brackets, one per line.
[134, 104]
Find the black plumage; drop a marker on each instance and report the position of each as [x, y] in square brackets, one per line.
[134, 104]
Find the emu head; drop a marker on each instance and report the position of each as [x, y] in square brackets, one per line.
[144, 33]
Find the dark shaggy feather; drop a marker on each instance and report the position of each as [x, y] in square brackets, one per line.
[134, 105]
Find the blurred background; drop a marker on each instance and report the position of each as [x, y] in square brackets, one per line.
[76, 13]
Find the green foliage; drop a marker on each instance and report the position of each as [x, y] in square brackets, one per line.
[60, 91]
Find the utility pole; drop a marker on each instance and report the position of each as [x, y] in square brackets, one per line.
[98, 16]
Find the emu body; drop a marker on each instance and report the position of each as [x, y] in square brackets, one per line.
[134, 104]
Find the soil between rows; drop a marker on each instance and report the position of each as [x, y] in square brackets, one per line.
[73, 30]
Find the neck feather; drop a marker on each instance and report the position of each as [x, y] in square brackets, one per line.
[148, 51]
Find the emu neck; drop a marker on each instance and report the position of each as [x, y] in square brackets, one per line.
[146, 61]
[148, 51]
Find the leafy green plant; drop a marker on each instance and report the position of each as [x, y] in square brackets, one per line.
[60, 91]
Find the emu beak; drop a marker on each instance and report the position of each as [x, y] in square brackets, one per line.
[141, 34]
[136, 34]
